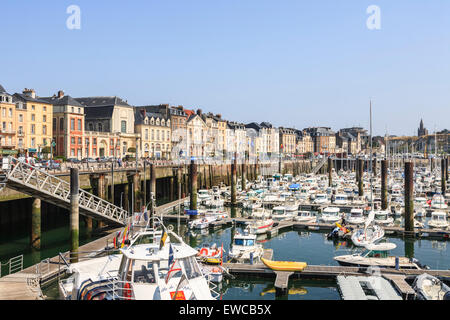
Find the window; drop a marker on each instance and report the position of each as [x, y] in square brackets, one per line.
[72, 152]
[32, 107]
[79, 125]
[44, 129]
[33, 129]
[3, 112]
[87, 141]
[45, 108]
[44, 141]
[94, 141]
[20, 130]
[91, 127]
[20, 143]
[157, 134]
[33, 142]
[61, 124]
[79, 110]
[153, 134]
[54, 124]
[10, 112]
[32, 117]
[146, 134]
[100, 127]
[20, 117]
[72, 140]
[123, 126]
[72, 124]
[79, 141]
[44, 118]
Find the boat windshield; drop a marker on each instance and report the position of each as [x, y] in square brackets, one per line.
[438, 217]
[244, 242]
[278, 211]
[144, 239]
[143, 271]
[378, 254]
[191, 268]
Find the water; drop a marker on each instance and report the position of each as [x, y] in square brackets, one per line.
[311, 247]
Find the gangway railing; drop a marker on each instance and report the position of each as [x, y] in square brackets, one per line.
[319, 165]
[36, 182]
[13, 265]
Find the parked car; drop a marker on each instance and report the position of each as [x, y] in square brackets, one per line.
[73, 160]
[103, 159]
[86, 160]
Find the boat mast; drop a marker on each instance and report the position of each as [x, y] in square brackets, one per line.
[371, 166]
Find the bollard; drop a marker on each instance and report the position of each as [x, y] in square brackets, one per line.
[397, 263]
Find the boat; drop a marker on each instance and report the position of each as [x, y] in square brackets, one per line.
[373, 287]
[377, 255]
[438, 202]
[370, 234]
[306, 217]
[211, 254]
[330, 214]
[201, 223]
[259, 226]
[149, 271]
[203, 195]
[215, 202]
[382, 218]
[356, 217]
[244, 248]
[341, 199]
[260, 213]
[438, 220]
[321, 198]
[281, 213]
[284, 265]
[429, 287]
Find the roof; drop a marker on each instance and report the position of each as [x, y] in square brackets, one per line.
[105, 112]
[189, 113]
[63, 101]
[2, 90]
[139, 116]
[102, 101]
[24, 98]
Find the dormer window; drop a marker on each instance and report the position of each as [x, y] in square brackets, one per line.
[152, 121]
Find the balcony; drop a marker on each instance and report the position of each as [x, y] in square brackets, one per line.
[5, 131]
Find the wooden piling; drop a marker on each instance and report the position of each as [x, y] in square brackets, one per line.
[36, 224]
[233, 180]
[193, 185]
[384, 183]
[409, 199]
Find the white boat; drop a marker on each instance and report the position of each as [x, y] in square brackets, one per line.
[203, 195]
[244, 248]
[215, 202]
[382, 218]
[331, 214]
[149, 271]
[260, 213]
[321, 198]
[281, 213]
[305, 217]
[429, 287]
[356, 217]
[201, 223]
[438, 202]
[370, 234]
[259, 226]
[438, 220]
[376, 255]
[341, 199]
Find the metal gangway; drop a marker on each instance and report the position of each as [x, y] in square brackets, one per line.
[38, 183]
[319, 165]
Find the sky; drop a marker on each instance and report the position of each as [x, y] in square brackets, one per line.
[290, 62]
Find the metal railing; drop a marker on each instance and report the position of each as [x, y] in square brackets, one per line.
[13, 265]
[39, 180]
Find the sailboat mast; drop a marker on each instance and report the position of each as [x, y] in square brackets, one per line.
[371, 153]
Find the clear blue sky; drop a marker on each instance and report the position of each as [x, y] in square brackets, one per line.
[290, 62]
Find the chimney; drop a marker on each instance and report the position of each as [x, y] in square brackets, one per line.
[219, 116]
[29, 92]
[199, 112]
[60, 94]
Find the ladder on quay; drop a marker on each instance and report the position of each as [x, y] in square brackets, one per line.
[38, 183]
[319, 165]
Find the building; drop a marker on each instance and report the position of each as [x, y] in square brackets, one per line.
[287, 141]
[68, 126]
[155, 130]
[324, 140]
[8, 122]
[194, 144]
[113, 117]
[37, 128]
[304, 142]
[422, 131]
[236, 140]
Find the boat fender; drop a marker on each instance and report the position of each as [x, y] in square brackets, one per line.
[127, 291]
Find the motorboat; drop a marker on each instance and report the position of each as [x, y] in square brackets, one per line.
[281, 213]
[370, 234]
[305, 217]
[244, 248]
[438, 220]
[211, 254]
[429, 287]
[260, 213]
[331, 214]
[382, 218]
[321, 198]
[150, 271]
[203, 195]
[377, 255]
[438, 202]
[341, 199]
[356, 217]
[201, 223]
[215, 202]
[259, 226]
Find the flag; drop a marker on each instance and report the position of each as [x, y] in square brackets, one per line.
[170, 254]
[173, 269]
[179, 295]
[163, 239]
[125, 233]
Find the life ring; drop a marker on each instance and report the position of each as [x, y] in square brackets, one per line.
[127, 291]
[204, 252]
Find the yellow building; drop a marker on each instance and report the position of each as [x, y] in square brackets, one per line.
[37, 122]
[7, 123]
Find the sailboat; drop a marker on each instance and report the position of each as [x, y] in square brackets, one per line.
[371, 233]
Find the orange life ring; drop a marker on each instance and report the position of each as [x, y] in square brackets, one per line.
[204, 252]
[127, 291]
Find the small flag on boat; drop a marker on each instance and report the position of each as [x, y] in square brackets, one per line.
[163, 239]
[170, 254]
[125, 233]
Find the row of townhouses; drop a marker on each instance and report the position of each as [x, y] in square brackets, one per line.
[90, 127]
